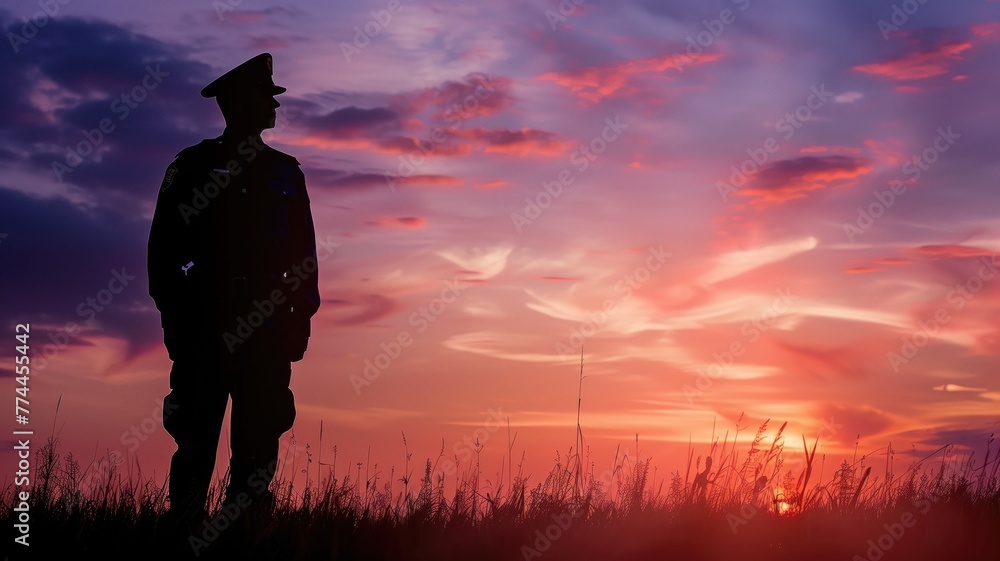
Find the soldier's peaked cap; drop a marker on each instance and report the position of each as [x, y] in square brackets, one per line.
[254, 74]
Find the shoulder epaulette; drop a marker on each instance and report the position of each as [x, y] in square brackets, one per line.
[191, 152]
[196, 149]
[283, 156]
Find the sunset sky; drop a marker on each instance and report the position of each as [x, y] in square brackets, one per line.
[781, 209]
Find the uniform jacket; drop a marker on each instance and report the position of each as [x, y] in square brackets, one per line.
[232, 252]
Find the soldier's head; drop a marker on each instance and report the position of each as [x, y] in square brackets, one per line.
[250, 111]
[245, 95]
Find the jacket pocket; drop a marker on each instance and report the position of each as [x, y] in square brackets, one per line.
[295, 331]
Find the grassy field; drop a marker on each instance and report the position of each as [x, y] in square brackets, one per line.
[732, 504]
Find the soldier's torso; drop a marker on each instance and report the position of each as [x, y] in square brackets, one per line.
[241, 201]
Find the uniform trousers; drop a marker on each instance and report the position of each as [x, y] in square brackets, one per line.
[257, 380]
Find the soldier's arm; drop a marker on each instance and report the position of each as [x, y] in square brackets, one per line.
[171, 259]
[161, 249]
[305, 237]
[304, 299]
[176, 271]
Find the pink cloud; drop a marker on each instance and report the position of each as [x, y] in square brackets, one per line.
[594, 83]
[828, 149]
[399, 222]
[422, 146]
[892, 261]
[918, 65]
[987, 31]
[493, 184]
[952, 250]
[785, 180]
[846, 422]
[340, 180]
[521, 142]
[365, 309]
[432, 180]
[267, 43]
[476, 95]
[555, 278]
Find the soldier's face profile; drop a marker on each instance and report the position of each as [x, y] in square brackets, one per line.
[251, 109]
[270, 110]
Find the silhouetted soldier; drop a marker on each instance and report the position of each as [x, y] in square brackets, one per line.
[231, 240]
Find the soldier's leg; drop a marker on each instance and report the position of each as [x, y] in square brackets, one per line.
[192, 414]
[263, 409]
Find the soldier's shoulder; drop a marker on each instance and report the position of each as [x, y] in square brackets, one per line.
[286, 167]
[196, 151]
[185, 160]
[282, 157]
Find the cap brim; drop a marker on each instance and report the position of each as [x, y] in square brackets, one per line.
[253, 75]
[212, 90]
